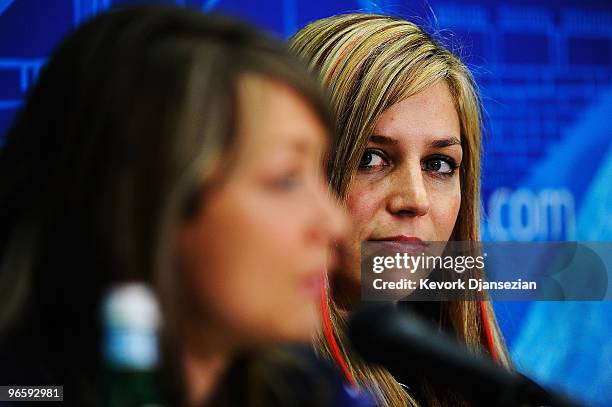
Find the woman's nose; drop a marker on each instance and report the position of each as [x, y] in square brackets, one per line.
[408, 193]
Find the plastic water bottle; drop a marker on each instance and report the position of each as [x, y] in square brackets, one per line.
[131, 321]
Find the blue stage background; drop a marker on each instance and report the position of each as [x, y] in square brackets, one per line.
[545, 73]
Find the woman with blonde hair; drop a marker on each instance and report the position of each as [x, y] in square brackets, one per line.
[406, 163]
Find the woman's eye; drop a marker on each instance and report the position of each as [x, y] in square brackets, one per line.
[372, 158]
[286, 183]
[441, 165]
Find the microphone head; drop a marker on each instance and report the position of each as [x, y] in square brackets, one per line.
[364, 328]
[376, 329]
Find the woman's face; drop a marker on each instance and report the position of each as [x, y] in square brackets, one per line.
[257, 249]
[407, 185]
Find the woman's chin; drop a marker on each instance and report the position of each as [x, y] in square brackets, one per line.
[303, 327]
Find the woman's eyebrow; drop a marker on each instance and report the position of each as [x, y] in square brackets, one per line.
[447, 142]
[295, 145]
[383, 140]
[303, 147]
[439, 143]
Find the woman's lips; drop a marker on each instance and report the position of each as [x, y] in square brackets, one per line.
[401, 244]
[399, 238]
[313, 285]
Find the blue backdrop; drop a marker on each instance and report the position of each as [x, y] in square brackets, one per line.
[545, 73]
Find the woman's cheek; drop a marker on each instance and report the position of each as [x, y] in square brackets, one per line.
[445, 208]
[362, 205]
[362, 202]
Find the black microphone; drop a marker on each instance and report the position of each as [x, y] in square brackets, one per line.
[408, 346]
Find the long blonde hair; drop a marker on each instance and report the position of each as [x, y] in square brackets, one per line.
[368, 63]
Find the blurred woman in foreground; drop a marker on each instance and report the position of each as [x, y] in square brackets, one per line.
[406, 163]
[184, 151]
